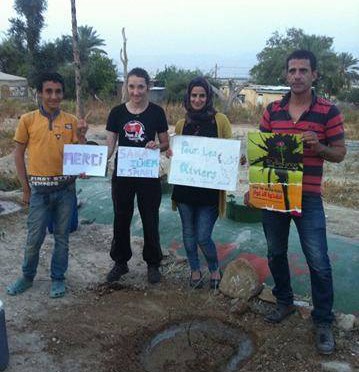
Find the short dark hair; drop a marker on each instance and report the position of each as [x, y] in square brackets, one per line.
[141, 73]
[49, 76]
[303, 54]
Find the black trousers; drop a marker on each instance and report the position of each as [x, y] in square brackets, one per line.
[148, 192]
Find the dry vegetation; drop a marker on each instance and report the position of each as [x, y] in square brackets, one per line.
[337, 191]
[351, 119]
[342, 193]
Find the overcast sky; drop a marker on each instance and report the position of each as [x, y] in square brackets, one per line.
[199, 33]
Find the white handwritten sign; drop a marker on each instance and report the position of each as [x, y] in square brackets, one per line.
[87, 159]
[205, 162]
[138, 162]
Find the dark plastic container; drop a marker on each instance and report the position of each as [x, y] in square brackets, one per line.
[4, 349]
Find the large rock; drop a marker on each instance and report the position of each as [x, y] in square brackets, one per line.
[345, 322]
[335, 366]
[240, 280]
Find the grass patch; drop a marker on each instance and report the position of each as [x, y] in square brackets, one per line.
[351, 121]
[174, 112]
[6, 142]
[9, 183]
[343, 193]
[14, 109]
[245, 115]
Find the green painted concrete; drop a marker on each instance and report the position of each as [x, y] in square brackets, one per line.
[236, 239]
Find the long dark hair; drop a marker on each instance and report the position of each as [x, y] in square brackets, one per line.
[208, 112]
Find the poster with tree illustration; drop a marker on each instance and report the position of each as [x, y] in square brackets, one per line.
[275, 171]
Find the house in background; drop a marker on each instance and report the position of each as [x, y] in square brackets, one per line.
[13, 87]
[254, 95]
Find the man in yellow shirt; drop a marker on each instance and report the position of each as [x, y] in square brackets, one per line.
[43, 133]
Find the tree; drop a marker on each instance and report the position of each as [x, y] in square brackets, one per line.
[271, 60]
[25, 30]
[79, 104]
[350, 96]
[348, 67]
[124, 60]
[12, 58]
[234, 90]
[100, 75]
[89, 42]
[176, 80]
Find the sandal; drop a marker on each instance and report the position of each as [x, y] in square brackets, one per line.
[196, 283]
[19, 286]
[57, 289]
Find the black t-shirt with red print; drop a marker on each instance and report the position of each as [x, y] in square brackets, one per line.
[135, 130]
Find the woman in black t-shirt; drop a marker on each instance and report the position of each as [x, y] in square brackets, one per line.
[136, 124]
[199, 207]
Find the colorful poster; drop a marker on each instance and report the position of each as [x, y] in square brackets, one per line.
[88, 159]
[138, 162]
[275, 171]
[205, 162]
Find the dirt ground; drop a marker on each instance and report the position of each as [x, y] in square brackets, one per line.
[97, 327]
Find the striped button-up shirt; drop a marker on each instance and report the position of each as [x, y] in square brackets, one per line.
[322, 117]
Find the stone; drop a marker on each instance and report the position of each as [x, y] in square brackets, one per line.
[267, 296]
[345, 321]
[239, 308]
[304, 312]
[335, 366]
[240, 280]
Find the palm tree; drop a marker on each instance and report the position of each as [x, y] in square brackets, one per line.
[89, 42]
[348, 67]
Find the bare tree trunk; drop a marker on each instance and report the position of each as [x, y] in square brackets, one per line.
[124, 60]
[227, 101]
[77, 62]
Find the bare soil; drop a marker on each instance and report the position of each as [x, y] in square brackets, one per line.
[98, 327]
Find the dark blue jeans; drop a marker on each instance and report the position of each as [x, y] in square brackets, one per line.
[197, 226]
[56, 205]
[312, 233]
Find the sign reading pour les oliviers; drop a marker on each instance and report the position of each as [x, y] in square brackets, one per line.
[138, 162]
[88, 159]
[205, 162]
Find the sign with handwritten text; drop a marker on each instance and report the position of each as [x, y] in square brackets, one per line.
[205, 162]
[88, 159]
[138, 162]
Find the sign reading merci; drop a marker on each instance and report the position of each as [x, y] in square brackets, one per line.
[88, 159]
[205, 162]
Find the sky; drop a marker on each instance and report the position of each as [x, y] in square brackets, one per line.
[199, 33]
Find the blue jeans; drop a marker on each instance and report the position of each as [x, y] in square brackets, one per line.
[55, 205]
[197, 226]
[312, 234]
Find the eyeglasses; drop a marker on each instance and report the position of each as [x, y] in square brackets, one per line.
[199, 95]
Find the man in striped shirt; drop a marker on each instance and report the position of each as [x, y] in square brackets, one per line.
[321, 126]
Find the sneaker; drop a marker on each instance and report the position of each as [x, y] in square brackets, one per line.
[324, 338]
[116, 272]
[279, 313]
[153, 274]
